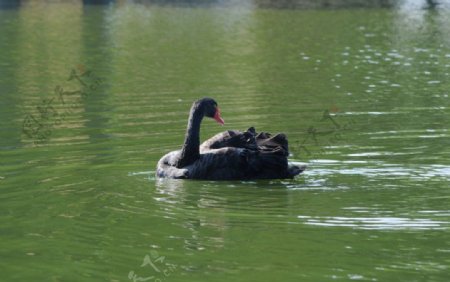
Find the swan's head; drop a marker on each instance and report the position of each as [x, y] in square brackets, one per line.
[211, 109]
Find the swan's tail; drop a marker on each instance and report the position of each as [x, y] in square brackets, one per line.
[271, 160]
[294, 170]
[276, 144]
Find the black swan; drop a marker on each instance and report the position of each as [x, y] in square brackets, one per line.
[230, 155]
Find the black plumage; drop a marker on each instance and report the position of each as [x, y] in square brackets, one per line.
[230, 155]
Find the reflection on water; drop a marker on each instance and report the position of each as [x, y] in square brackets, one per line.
[379, 223]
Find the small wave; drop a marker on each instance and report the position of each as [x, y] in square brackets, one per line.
[382, 223]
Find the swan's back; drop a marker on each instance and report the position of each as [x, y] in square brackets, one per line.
[261, 156]
[213, 164]
[235, 155]
[231, 138]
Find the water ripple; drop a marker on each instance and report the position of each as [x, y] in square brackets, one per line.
[381, 223]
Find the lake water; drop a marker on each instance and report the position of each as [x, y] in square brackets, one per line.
[92, 97]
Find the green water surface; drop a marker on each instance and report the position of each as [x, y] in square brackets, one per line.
[92, 96]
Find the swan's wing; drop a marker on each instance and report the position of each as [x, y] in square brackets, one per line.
[231, 138]
[224, 163]
[272, 159]
[249, 139]
[276, 144]
[213, 164]
[239, 163]
[235, 155]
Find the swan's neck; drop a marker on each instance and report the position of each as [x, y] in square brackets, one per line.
[191, 147]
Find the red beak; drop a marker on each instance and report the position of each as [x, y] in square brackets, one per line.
[218, 118]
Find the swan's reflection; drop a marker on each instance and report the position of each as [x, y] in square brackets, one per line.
[188, 200]
[169, 187]
[207, 209]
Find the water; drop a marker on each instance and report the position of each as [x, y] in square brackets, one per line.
[362, 95]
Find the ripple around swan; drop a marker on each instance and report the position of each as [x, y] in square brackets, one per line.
[381, 223]
[315, 176]
[372, 168]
